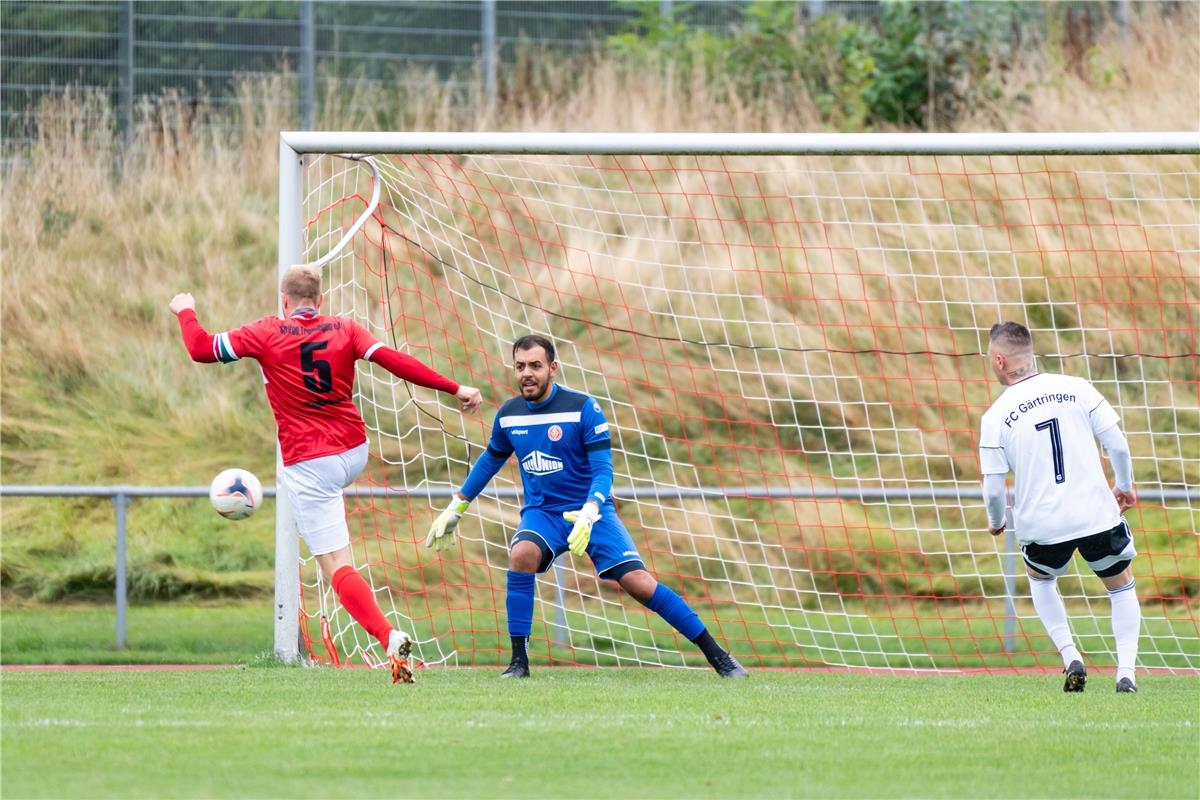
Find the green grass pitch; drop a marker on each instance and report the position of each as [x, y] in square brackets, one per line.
[294, 732]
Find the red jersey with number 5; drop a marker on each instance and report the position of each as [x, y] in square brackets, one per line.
[308, 367]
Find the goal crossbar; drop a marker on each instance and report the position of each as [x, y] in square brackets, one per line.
[1084, 143]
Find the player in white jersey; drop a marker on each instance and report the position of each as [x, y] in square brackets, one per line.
[1044, 428]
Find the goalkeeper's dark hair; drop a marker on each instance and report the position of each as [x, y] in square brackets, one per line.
[1011, 336]
[532, 340]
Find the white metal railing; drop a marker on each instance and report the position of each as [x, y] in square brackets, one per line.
[121, 495]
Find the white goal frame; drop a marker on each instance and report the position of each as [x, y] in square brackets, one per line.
[293, 146]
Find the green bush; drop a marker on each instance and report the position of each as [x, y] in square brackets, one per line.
[916, 65]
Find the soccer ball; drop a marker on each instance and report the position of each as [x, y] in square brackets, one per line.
[235, 493]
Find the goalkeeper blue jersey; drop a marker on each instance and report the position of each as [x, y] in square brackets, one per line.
[559, 442]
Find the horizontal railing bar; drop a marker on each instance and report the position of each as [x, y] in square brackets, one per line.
[246, 21]
[620, 493]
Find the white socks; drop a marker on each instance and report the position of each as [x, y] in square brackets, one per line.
[1126, 624]
[399, 643]
[1050, 608]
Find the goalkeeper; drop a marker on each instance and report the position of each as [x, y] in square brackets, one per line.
[561, 438]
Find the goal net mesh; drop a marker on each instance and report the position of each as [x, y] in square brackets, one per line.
[789, 351]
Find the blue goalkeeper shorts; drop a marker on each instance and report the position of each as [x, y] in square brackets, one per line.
[610, 547]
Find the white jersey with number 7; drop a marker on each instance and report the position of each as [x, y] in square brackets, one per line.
[1044, 429]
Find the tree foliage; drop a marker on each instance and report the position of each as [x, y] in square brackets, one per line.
[910, 65]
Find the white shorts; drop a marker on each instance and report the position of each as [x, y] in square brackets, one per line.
[314, 490]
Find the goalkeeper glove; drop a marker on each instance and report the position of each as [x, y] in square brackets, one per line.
[581, 532]
[441, 533]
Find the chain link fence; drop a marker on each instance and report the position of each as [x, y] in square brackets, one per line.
[130, 51]
[193, 50]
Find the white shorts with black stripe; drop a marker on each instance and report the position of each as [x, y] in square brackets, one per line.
[1107, 553]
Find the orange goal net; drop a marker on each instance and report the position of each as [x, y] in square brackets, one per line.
[789, 351]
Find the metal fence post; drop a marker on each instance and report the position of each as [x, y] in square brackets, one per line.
[125, 72]
[1010, 586]
[122, 502]
[1123, 11]
[560, 603]
[308, 66]
[488, 52]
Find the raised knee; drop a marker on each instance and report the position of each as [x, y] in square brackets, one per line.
[640, 585]
[524, 557]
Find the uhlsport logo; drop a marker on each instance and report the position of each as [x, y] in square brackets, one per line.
[555, 433]
[538, 463]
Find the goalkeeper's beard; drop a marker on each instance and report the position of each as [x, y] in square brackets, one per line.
[535, 392]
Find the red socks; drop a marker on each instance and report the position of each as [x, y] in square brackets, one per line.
[357, 598]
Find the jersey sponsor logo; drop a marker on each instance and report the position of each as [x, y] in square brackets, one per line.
[630, 553]
[555, 433]
[601, 428]
[518, 432]
[321, 402]
[538, 463]
[297, 330]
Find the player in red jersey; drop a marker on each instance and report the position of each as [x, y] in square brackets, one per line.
[308, 366]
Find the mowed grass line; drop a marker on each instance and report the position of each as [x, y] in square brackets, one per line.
[242, 633]
[591, 733]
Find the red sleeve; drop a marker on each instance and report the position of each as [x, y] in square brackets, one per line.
[408, 368]
[247, 341]
[208, 348]
[362, 340]
[199, 342]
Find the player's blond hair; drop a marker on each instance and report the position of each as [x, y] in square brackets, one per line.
[301, 283]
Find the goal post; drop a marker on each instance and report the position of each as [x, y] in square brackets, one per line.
[785, 332]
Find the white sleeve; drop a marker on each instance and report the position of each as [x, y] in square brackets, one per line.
[1100, 413]
[1118, 454]
[995, 498]
[992, 458]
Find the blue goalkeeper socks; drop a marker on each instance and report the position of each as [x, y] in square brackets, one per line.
[674, 610]
[519, 602]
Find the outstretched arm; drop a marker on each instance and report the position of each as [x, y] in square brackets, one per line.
[407, 368]
[441, 533]
[201, 345]
[482, 472]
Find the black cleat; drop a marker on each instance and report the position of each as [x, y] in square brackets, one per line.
[728, 667]
[1126, 686]
[517, 669]
[1076, 677]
